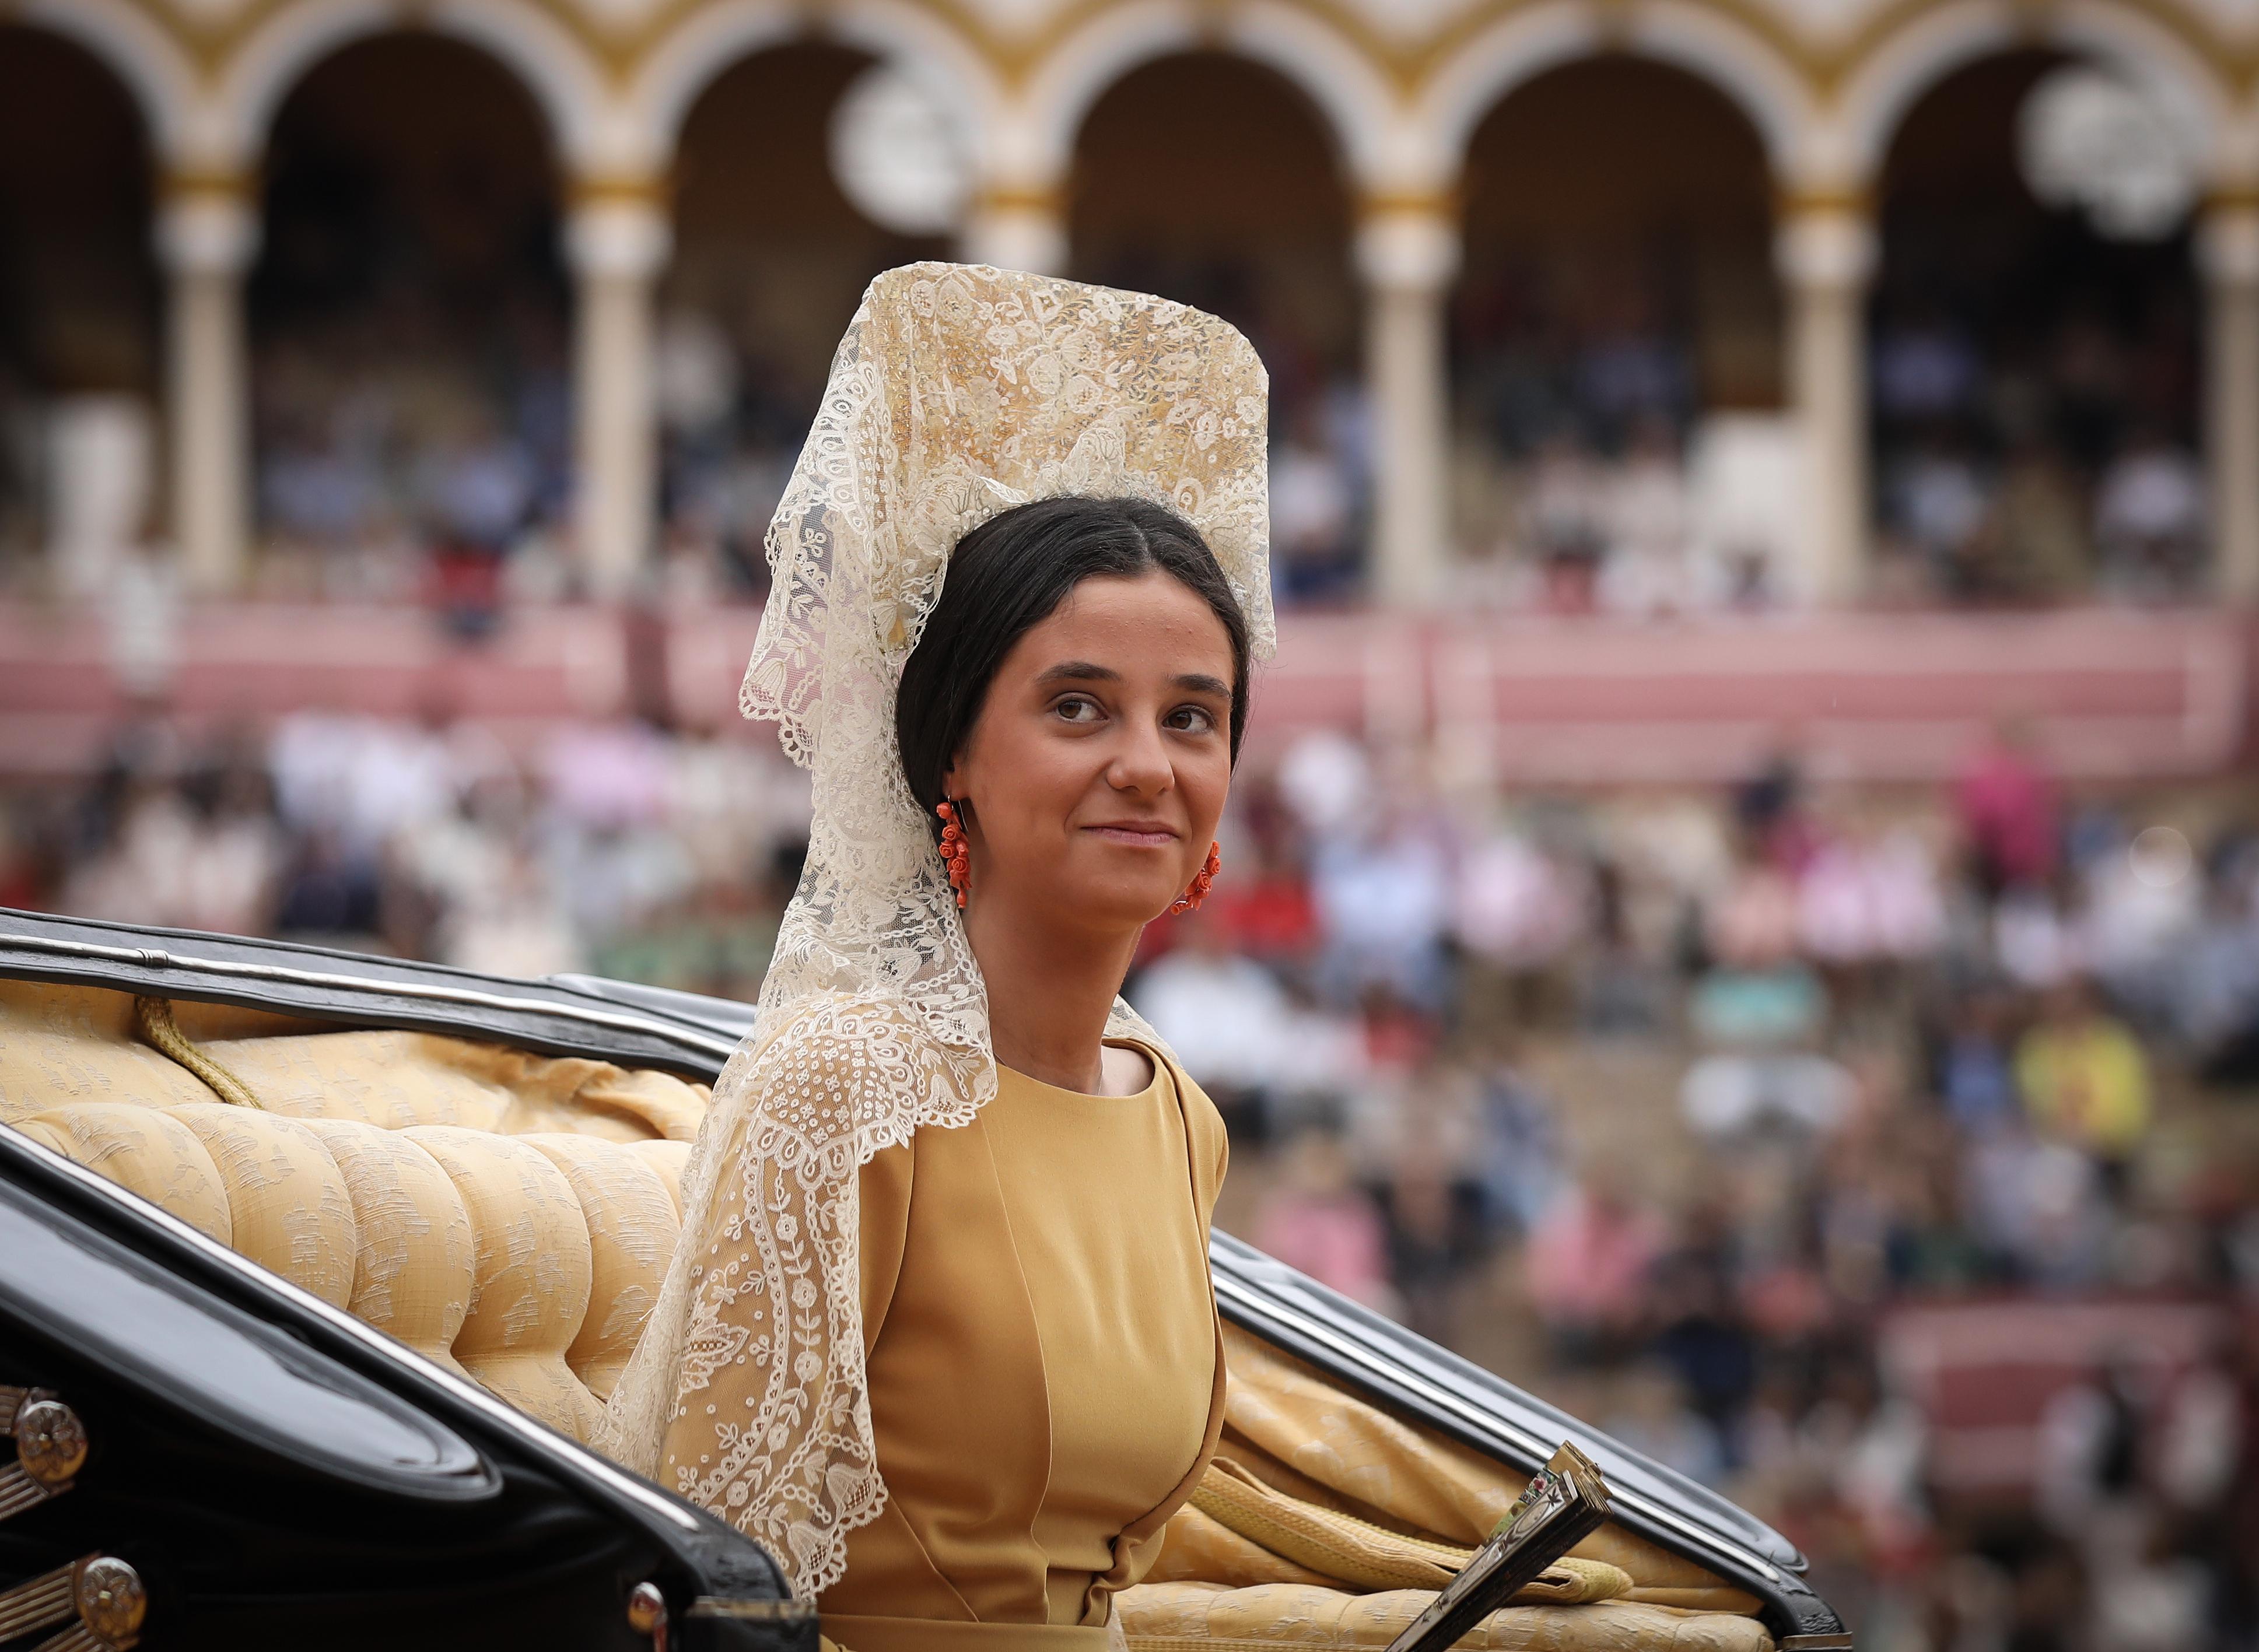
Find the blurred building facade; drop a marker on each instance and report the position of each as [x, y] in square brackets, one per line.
[1637, 304]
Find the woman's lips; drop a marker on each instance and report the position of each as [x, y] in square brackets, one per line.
[1135, 834]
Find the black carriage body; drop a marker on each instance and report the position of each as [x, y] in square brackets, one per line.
[278, 1472]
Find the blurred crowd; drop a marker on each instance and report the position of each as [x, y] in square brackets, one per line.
[2038, 469]
[405, 455]
[1589, 475]
[402, 457]
[1666, 1105]
[1681, 1101]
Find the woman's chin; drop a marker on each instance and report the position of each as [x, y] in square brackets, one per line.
[1110, 905]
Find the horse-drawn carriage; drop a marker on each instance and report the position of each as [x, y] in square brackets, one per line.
[316, 1270]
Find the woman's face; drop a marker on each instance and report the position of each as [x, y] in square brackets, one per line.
[1098, 766]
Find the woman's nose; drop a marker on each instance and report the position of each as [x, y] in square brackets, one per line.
[1141, 765]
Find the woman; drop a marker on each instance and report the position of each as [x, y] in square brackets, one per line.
[939, 1332]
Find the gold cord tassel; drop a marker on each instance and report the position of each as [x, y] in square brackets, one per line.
[155, 1018]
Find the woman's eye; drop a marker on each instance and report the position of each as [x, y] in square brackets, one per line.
[1191, 719]
[1077, 710]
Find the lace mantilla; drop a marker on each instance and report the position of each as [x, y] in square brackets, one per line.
[958, 392]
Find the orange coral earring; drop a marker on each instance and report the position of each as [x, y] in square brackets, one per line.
[955, 850]
[1203, 881]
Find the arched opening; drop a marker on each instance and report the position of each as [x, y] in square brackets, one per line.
[1616, 358]
[771, 258]
[409, 329]
[79, 306]
[1213, 180]
[2034, 381]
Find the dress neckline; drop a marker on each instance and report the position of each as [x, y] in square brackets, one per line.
[1061, 1092]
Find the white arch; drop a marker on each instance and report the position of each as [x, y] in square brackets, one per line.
[1354, 100]
[1365, 112]
[1072, 76]
[1706, 42]
[686, 58]
[1892, 76]
[554, 67]
[157, 73]
[710, 39]
[1710, 44]
[917, 41]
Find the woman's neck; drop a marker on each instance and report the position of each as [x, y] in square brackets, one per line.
[1050, 993]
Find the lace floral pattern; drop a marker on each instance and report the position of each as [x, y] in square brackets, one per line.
[958, 392]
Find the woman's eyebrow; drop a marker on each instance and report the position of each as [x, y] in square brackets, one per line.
[1079, 671]
[1199, 682]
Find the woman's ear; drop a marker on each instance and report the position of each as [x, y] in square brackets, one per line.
[956, 774]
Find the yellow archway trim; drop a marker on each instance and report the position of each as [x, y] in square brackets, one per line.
[1832, 68]
[210, 41]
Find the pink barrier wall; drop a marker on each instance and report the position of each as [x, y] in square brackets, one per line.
[2112, 694]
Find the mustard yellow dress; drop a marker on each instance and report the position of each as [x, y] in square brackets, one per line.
[1046, 1366]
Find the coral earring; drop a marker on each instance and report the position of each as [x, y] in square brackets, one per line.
[1203, 882]
[955, 851]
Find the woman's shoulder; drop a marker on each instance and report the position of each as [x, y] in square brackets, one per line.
[1204, 1128]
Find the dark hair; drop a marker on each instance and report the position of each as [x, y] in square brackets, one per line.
[1010, 574]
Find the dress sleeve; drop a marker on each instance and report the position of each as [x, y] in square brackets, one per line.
[884, 1226]
[1210, 1145]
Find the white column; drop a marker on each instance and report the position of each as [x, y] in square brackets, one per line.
[1017, 229]
[616, 244]
[1826, 254]
[2228, 254]
[1407, 254]
[207, 235]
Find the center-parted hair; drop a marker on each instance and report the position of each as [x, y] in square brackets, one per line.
[1010, 574]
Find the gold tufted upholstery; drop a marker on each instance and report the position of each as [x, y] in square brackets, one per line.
[509, 1216]
[413, 1269]
[287, 1198]
[530, 1276]
[1189, 1617]
[1317, 1497]
[145, 1151]
[631, 1224]
[505, 1214]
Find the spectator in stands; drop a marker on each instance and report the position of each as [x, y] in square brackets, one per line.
[2150, 519]
[1585, 1268]
[1869, 896]
[2036, 547]
[1319, 1220]
[1702, 1334]
[1565, 526]
[1975, 1076]
[1649, 524]
[2084, 1078]
[2008, 813]
[2214, 989]
[1651, 1415]
[1520, 1168]
[1225, 1017]
[1939, 503]
[1383, 902]
[1925, 369]
[1313, 553]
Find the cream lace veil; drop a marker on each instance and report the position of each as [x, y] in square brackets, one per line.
[958, 392]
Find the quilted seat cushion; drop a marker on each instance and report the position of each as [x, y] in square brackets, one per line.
[506, 1214]
[532, 1273]
[144, 1150]
[631, 1226]
[287, 1198]
[414, 1269]
[1193, 1617]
